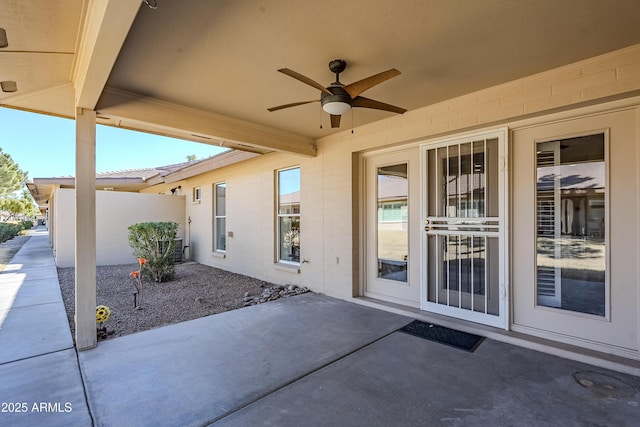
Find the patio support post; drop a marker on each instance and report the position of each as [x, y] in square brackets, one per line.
[85, 258]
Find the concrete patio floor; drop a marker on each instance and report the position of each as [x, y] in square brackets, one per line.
[309, 360]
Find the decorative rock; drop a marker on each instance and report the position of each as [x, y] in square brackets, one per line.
[273, 293]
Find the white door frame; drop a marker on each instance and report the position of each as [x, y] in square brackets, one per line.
[618, 331]
[501, 320]
[408, 293]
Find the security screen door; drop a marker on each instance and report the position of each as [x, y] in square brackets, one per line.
[464, 195]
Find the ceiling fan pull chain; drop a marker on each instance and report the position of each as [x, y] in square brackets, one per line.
[352, 121]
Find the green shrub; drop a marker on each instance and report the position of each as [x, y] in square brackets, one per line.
[8, 230]
[155, 242]
[25, 225]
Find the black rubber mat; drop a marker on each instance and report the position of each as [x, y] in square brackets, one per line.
[450, 337]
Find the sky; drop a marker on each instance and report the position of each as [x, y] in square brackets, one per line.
[44, 146]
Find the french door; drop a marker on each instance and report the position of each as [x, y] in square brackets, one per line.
[575, 252]
[392, 242]
[464, 239]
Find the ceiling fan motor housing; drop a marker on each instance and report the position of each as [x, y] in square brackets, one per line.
[339, 95]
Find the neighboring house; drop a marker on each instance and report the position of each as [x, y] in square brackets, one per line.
[520, 151]
[119, 205]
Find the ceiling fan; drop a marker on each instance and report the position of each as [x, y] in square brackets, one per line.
[336, 99]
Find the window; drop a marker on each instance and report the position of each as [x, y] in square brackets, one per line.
[393, 220]
[219, 217]
[288, 215]
[571, 217]
[197, 193]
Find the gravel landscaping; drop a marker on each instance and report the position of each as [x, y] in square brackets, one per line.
[196, 291]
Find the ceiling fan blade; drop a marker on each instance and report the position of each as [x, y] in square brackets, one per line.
[363, 102]
[335, 121]
[356, 88]
[304, 79]
[294, 104]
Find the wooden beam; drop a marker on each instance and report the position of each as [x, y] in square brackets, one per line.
[149, 114]
[105, 28]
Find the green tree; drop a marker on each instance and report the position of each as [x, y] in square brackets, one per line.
[191, 157]
[14, 206]
[12, 178]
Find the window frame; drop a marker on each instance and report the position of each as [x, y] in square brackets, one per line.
[197, 194]
[216, 217]
[382, 218]
[278, 216]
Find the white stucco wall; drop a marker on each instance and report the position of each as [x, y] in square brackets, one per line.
[115, 211]
[251, 218]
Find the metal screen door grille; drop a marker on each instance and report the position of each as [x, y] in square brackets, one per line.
[463, 226]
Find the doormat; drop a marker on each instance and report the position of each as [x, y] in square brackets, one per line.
[450, 337]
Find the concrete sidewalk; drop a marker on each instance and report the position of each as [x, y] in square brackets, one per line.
[309, 360]
[40, 382]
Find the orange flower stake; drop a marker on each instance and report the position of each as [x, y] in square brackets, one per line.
[137, 275]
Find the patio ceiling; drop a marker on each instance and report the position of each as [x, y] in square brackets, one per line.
[206, 70]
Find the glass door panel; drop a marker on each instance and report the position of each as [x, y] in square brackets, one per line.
[570, 218]
[393, 222]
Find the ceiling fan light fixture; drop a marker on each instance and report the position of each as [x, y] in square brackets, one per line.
[336, 104]
[336, 108]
